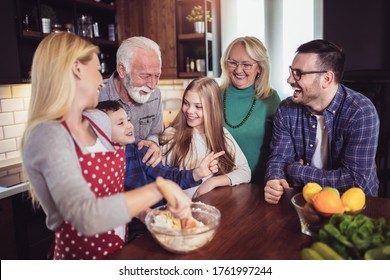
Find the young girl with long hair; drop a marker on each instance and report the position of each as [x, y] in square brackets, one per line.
[198, 130]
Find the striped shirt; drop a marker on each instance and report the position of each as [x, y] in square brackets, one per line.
[353, 128]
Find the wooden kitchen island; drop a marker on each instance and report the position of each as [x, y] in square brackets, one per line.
[250, 228]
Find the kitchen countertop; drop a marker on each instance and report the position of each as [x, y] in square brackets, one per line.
[12, 181]
[250, 228]
[10, 191]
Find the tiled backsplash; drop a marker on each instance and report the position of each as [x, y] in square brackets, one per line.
[171, 89]
[172, 93]
[14, 102]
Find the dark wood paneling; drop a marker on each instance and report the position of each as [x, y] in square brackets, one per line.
[154, 19]
[129, 18]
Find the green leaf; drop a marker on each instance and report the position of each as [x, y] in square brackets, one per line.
[333, 231]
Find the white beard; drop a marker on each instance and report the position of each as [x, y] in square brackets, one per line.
[134, 92]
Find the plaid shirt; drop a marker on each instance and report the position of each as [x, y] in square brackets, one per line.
[353, 129]
[139, 174]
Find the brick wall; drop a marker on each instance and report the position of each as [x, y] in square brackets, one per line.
[14, 101]
[172, 93]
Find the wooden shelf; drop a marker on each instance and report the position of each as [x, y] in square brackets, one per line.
[21, 44]
[100, 41]
[193, 46]
[192, 36]
[101, 5]
[190, 74]
[32, 34]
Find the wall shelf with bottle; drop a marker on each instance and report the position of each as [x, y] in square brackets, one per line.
[32, 20]
[198, 38]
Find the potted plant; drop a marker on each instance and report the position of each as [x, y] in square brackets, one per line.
[48, 16]
[197, 16]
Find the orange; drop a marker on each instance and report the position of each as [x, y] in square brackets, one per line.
[327, 203]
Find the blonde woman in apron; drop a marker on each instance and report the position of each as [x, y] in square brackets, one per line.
[76, 173]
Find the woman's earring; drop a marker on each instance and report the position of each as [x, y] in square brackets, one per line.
[258, 75]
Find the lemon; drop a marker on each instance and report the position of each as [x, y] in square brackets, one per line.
[309, 190]
[353, 199]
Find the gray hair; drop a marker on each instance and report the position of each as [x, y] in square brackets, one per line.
[126, 50]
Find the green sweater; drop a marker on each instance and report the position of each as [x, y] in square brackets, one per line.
[254, 135]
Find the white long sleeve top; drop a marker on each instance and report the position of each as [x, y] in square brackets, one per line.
[240, 174]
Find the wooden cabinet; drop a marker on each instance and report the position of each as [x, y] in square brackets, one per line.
[7, 232]
[195, 45]
[154, 19]
[23, 234]
[22, 28]
[164, 22]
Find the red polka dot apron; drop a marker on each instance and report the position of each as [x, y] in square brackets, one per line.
[104, 172]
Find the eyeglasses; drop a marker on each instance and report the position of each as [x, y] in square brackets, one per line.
[298, 73]
[245, 65]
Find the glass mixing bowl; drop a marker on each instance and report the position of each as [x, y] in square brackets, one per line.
[166, 229]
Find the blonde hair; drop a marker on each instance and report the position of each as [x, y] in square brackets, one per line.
[52, 80]
[180, 143]
[257, 51]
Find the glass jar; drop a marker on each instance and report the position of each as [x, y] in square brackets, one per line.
[56, 28]
[69, 27]
[85, 26]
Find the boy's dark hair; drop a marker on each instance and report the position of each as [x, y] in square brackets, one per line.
[109, 105]
[330, 56]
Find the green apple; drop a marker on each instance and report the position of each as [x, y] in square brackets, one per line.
[331, 189]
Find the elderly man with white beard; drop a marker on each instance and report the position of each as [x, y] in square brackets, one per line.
[134, 86]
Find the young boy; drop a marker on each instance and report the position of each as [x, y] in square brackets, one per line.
[138, 173]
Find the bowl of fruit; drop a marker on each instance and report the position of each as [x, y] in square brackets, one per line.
[316, 204]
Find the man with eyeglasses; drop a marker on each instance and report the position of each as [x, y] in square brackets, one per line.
[134, 86]
[325, 132]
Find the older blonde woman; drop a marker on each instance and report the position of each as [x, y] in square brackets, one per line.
[76, 173]
[249, 102]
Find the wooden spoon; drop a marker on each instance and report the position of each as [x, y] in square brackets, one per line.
[162, 184]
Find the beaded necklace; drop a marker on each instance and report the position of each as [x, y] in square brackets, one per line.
[244, 120]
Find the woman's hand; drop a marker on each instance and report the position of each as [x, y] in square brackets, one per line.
[141, 216]
[209, 165]
[179, 203]
[203, 188]
[212, 183]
